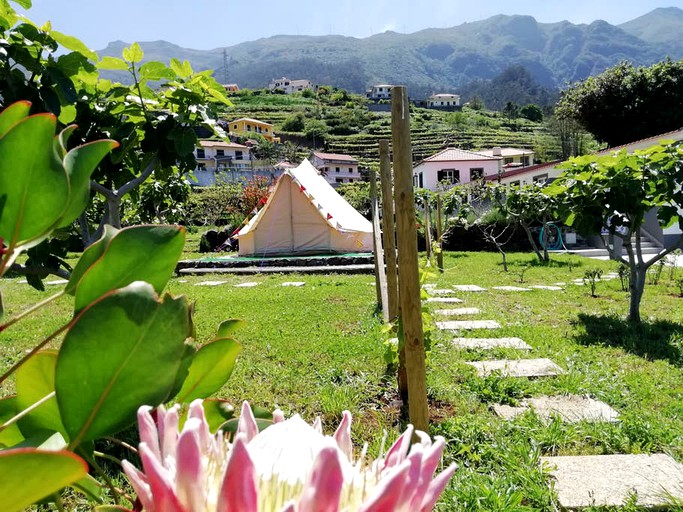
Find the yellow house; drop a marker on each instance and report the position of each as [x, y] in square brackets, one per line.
[247, 126]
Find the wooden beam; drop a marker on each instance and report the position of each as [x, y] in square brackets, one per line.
[388, 228]
[439, 233]
[380, 276]
[408, 271]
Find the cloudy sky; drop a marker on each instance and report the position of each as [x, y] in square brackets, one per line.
[206, 24]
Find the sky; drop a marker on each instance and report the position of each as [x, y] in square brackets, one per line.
[208, 24]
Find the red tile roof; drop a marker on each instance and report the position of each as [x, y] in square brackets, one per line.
[335, 156]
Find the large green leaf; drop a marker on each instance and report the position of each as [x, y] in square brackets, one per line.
[74, 44]
[79, 164]
[112, 63]
[29, 475]
[210, 369]
[182, 69]
[34, 188]
[35, 379]
[89, 257]
[11, 435]
[123, 351]
[155, 71]
[13, 114]
[26, 4]
[227, 327]
[138, 253]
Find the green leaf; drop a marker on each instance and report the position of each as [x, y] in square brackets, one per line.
[184, 367]
[227, 327]
[29, 475]
[79, 165]
[137, 253]
[12, 115]
[182, 69]
[33, 185]
[133, 53]
[36, 380]
[26, 4]
[91, 488]
[217, 412]
[155, 71]
[123, 351]
[89, 257]
[11, 435]
[211, 367]
[112, 63]
[67, 114]
[111, 508]
[74, 44]
[62, 139]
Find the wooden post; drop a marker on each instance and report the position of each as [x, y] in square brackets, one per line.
[388, 228]
[380, 276]
[439, 233]
[428, 233]
[408, 272]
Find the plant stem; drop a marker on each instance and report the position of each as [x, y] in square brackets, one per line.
[106, 456]
[30, 310]
[34, 350]
[26, 411]
[121, 443]
[105, 477]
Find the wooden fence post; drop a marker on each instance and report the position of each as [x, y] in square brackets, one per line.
[428, 232]
[439, 233]
[380, 276]
[408, 271]
[388, 227]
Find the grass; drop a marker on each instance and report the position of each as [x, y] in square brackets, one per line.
[318, 350]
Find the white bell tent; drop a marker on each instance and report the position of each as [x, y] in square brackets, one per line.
[305, 215]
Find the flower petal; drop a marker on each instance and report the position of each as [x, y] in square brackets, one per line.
[148, 429]
[343, 435]
[324, 487]
[197, 411]
[161, 486]
[397, 452]
[318, 425]
[278, 416]
[139, 483]
[238, 489]
[189, 478]
[387, 495]
[168, 433]
[436, 487]
[247, 423]
[290, 506]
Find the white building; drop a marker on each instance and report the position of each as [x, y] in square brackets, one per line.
[443, 101]
[512, 157]
[380, 92]
[336, 168]
[290, 86]
[454, 166]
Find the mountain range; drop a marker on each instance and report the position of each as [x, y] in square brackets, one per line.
[439, 60]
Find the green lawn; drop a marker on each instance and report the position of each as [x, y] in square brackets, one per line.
[318, 350]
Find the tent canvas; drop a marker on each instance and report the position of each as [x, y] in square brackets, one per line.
[305, 215]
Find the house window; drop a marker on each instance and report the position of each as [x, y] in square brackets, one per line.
[337, 169]
[525, 161]
[201, 167]
[220, 152]
[476, 173]
[541, 179]
[248, 127]
[201, 153]
[420, 181]
[350, 169]
[514, 183]
[339, 180]
[448, 175]
[350, 180]
[238, 155]
[507, 161]
[235, 127]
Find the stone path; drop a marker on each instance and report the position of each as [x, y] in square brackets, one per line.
[609, 480]
[546, 287]
[442, 291]
[469, 288]
[457, 325]
[517, 368]
[458, 311]
[571, 409]
[296, 284]
[490, 343]
[246, 285]
[444, 300]
[210, 283]
[511, 289]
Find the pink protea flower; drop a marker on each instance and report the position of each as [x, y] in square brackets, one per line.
[289, 467]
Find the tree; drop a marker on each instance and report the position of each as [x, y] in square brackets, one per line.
[530, 205]
[294, 123]
[531, 112]
[626, 103]
[511, 110]
[615, 192]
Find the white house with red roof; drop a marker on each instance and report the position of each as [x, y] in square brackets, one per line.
[453, 166]
[512, 157]
[336, 168]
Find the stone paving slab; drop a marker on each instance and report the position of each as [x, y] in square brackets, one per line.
[456, 325]
[561, 283]
[511, 289]
[296, 284]
[546, 287]
[469, 288]
[429, 286]
[517, 368]
[490, 343]
[442, 291]
[608, 480]
[56, 282]
[246, 285]
[458, 311]
[571, 409]
[210, 283]
[444, 300]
